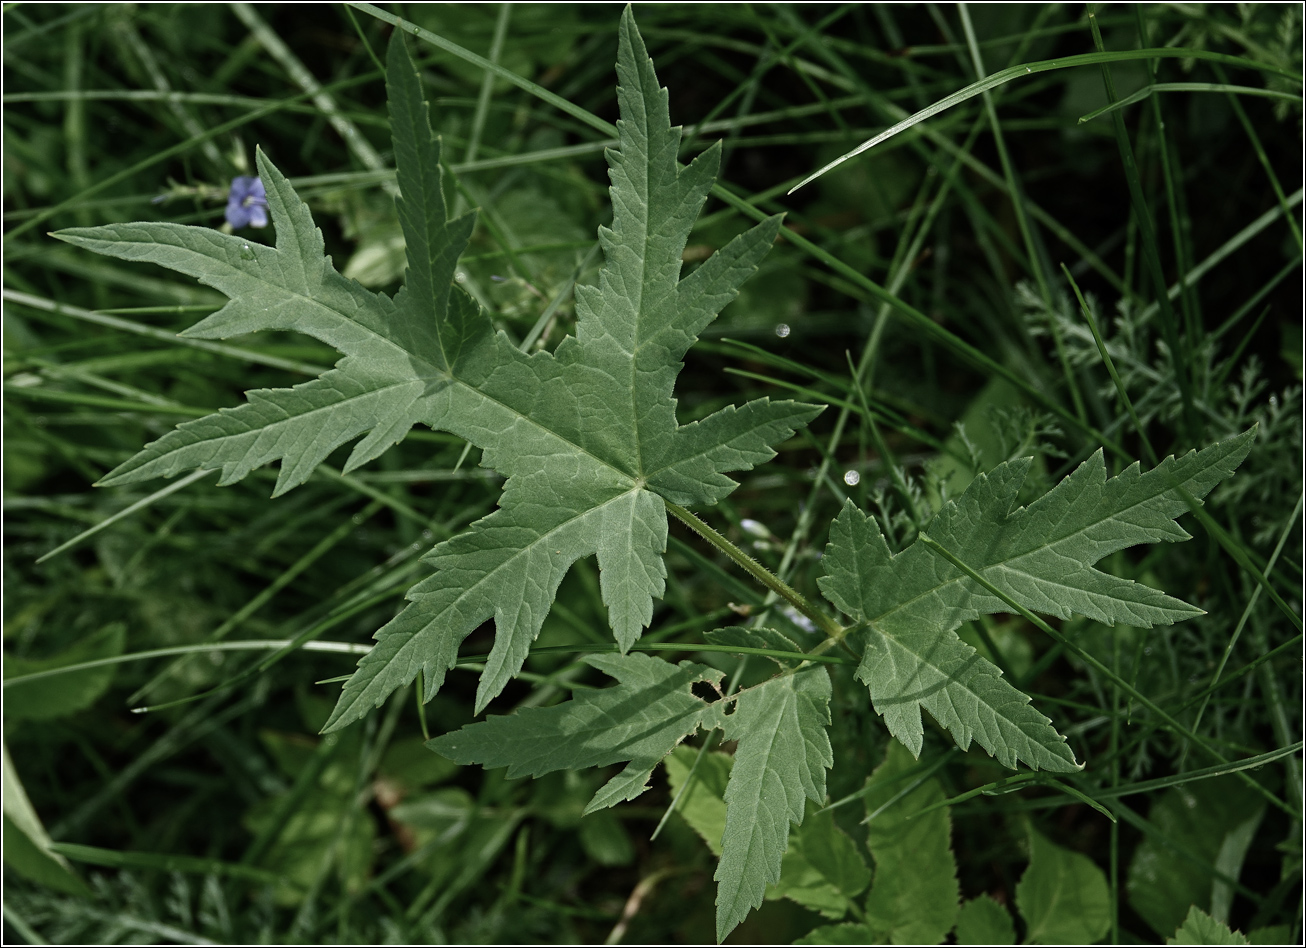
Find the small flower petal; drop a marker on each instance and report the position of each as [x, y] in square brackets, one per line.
[247, 203]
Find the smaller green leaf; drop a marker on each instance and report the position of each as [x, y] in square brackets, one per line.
[605, 840]
[703, 804]
[914, 896]
[1062, 896]
[822, 868]
[803, 883]
[35, 861]
[1270, 935]
[1200, 929]
[833, 853]
[640, 720]
[26, 843]
[982, 921]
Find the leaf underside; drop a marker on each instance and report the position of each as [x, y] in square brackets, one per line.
[586, 436]
[1041, 556]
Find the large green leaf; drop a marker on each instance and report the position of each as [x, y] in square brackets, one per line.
[1040, 556]
[587, 436]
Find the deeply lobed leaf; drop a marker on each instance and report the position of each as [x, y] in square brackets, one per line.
[780, 763]
[1041, 557]
[586, 436]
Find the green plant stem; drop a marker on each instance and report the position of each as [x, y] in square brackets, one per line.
[1111, 368]
[757, 571]
[1247, 611]
[1259, 149]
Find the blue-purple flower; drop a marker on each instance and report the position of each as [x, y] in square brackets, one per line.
[247, 203]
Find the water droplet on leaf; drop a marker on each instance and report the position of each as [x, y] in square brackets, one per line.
[852, 478]
[246, 253]
[782, 330]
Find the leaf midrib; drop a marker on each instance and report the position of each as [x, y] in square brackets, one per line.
[435, 372]
[1039, 548]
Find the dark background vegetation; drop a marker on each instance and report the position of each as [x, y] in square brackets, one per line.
[240, 775]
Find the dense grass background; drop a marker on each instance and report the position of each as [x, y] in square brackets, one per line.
[124, 112]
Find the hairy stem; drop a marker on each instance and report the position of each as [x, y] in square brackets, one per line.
[757, 570]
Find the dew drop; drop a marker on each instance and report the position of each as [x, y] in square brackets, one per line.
[852, 478]
[782, 330]
[246, 253]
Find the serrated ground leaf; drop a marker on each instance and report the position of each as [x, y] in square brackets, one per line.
[639, 720]
[1040, 556]
[586, 436]
[1201, 929]
[780, 763]
[982, 921]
